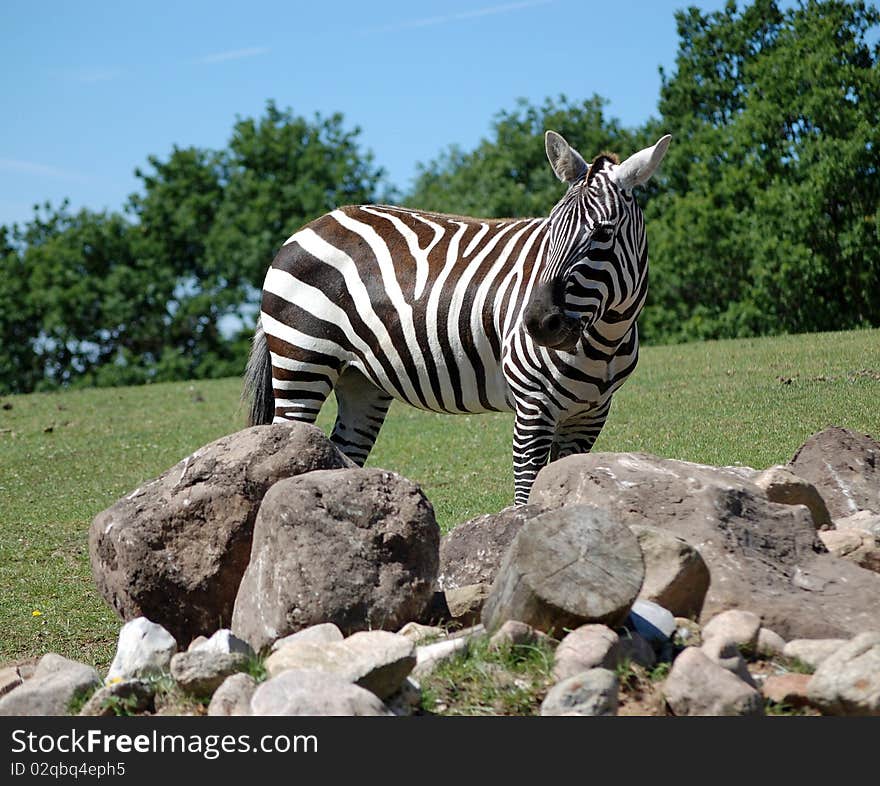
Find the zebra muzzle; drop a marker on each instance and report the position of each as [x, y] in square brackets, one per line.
[549, 325]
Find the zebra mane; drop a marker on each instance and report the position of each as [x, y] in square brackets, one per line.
[599, 162]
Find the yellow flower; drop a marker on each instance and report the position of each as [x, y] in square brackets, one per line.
[36, 613]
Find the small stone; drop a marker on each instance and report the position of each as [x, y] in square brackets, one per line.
[734, 625]
[201, 672]
[421, 634]
[812, 652]
[196, 643]
[587, 647]
[318, 693]
[726, 654]
[517, 634]
[847, 682]
[55, 684]
[376, 660]
[770, 642]
[865, 520]
[322, 633]
[233, 697]
[590, 693]
[854, 545]
[144, 650]
[783, 486]
[127, 697]
[224, 642]
[696, 685]
[466, 603]
[790, 689]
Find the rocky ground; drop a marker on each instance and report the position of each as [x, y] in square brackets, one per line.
[265, 575]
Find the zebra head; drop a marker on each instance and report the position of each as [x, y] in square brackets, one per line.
[596, 260]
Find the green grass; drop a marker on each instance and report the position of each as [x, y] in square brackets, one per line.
[65, 457]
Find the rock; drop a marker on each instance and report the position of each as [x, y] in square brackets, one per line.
[224, 642]
[296, 692]
[517, 634]
[565, 568]
[233, 697]
[471, 553]
[355, 547]
[847, 682]
[855, 545]
[812, 652]
[466, 603]
[196, 643]
[770, 643]
[696, 685]
[421, 634]
[591, 693]
[637, 649]
[126, 697]
[781, 485]
[652, 621]
[429, 656]
[174, 550]
[726, 654]
[10, 678]
[376, 660]
[144, 649]
[587, 647]
[735, 626]
[323, 633]
[201, 672]
[844, 466]
[676, 577]
[762, 556]
[407, 700]
[790, 689]
[56, 683]
[864, 520]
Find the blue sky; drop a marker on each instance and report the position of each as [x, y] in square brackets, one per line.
[90, 89]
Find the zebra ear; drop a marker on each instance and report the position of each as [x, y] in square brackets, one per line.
[638, 168]
[567, 163]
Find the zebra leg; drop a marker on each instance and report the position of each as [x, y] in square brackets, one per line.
[578, 433]
[300, 388]
[361, 412]
[533, 431]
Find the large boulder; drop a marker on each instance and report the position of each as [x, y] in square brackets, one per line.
[847, 682]
[355, 547]
[844, 466]
[565, 568]
[472, 552]
[174, 550]
[762, 556]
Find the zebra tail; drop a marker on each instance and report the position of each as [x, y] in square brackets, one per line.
[257, 389]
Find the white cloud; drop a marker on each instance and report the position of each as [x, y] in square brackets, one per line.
[457, 17]
[233, 54]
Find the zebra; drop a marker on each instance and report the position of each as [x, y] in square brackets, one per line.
[455, 314]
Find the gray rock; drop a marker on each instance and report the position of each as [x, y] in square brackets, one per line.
[770, 643]
[224, 641]
[355, 547]
[472, 552]
[726, 654]
[812, 652]
[296, 692]
[676, 577]
[201, 672]
[848, 681]
[10, 678]
[323, 633]
[844, 466]
[856, 546]
[174, 550]
[696, 685]
[781, 485]
[587, 647]
[376, 660]
[565, 568]
[636, 648]
[517, 634]
[735, 626]
[421, 634]
[144, 649]
[762, 556]
[864, 520]
[233, 697]
[126, 697]
[591, 693]
[196, 643]
[466, 603]
[56, 683]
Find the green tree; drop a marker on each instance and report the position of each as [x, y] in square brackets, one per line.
[508, 174]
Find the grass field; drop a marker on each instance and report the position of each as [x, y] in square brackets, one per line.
[64, 457]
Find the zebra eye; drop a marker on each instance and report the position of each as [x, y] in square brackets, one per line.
[603, 233]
